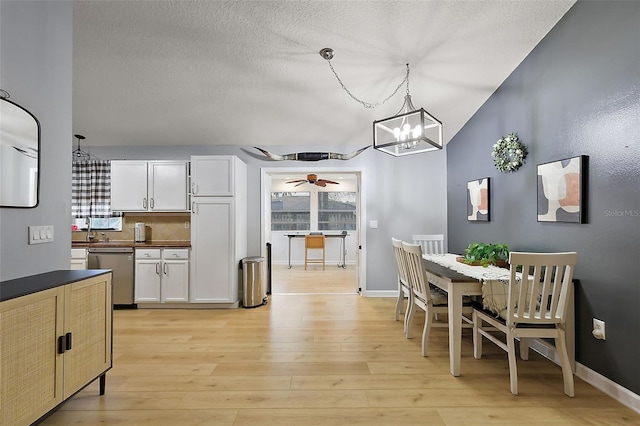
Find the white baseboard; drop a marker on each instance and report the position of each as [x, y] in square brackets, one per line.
[380, 293]
[611, 388]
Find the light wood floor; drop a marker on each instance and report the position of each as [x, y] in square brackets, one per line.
[331, 280]
[317, 360]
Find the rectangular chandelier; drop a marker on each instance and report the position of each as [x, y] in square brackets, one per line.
[408, 133]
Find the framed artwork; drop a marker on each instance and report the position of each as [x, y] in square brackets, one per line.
[478, 200]
[562, 190]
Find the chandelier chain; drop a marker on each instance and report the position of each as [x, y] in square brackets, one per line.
[368, 104]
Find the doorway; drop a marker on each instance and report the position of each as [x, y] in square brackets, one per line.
[289, 210]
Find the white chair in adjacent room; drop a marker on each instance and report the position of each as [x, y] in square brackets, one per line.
[536, 309]
[430, 243]
[404, 287]
[430, 300]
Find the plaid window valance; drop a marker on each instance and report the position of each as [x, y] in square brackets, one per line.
[91, 189]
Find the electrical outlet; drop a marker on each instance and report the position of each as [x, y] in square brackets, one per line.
[598, 329]
[187, 225]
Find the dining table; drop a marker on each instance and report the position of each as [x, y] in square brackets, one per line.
[458, 279]
[456, 285]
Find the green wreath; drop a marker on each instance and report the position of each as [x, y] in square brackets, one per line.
[508, 153]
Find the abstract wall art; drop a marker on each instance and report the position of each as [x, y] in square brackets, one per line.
[478, 200]
[562, 190]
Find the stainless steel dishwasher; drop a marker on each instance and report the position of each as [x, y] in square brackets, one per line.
[121, 261]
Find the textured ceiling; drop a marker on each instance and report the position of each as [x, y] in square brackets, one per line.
[249, 72]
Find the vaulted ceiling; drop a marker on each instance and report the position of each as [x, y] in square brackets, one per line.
[249, 72]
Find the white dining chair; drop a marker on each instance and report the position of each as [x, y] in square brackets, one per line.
[536, 308]
[430, 243]
[432, 301]
[404, 287]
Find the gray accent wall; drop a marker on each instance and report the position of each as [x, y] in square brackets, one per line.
[576, 93]
[36, 48]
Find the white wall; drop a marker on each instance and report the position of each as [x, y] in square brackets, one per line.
[36, 48]
[405, 195]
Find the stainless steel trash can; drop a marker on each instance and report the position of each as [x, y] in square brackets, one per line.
[254, 291]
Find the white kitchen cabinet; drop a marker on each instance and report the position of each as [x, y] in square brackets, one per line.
[78, 258]
[162, 275]
[158, 186]
[218, 233]
[214, 175]
[174, 285]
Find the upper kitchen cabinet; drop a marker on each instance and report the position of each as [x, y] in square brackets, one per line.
[153, 186]
[214, 175]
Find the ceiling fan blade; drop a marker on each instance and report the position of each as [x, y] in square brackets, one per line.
[321, 183]
[296, 181]
[330, 181]
[301, 183]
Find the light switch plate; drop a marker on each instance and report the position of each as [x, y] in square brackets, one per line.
[373, 224]
[40, 234]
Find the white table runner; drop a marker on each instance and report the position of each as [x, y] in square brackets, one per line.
[495, 280]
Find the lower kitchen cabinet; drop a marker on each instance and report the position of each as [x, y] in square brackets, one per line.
[54, 343]
[78, 258]
[162, 275]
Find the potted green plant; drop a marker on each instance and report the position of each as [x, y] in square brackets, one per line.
[485, 254]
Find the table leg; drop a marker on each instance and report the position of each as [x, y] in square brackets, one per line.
[455, 329]
[289, 251]
[343, 251]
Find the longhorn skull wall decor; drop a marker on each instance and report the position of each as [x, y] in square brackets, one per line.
[311, 156]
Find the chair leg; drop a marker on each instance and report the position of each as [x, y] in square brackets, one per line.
[513, 370]
[428, 320]
[399, 303]
[410, 313]
[567, 373]
[477, 337]
[524, 348]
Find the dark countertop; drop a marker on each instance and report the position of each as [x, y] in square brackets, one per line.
[32, 284]
[119, 244]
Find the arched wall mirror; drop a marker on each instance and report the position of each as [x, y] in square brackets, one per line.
[19, 156]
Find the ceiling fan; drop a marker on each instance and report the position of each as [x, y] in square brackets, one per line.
[313, 180]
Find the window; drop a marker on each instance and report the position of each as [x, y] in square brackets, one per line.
[98, 224]
[336, 211]
[313, 211]
[290, 211]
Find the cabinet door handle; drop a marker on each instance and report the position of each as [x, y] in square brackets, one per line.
[151, 202]
[157, 269]
[194, 188]
[193, 207]
[67, 339]
[144, 203]
[164, 268]
[61, 344]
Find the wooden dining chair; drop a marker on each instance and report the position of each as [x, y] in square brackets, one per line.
[536, 308]
[430, 243]
[432, 301]
[404, 287]
[314, 242]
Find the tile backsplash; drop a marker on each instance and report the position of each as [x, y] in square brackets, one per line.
[160, 227]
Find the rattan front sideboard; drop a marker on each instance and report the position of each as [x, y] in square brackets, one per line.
[56, 333]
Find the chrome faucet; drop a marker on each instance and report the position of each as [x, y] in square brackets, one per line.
[90, 236]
